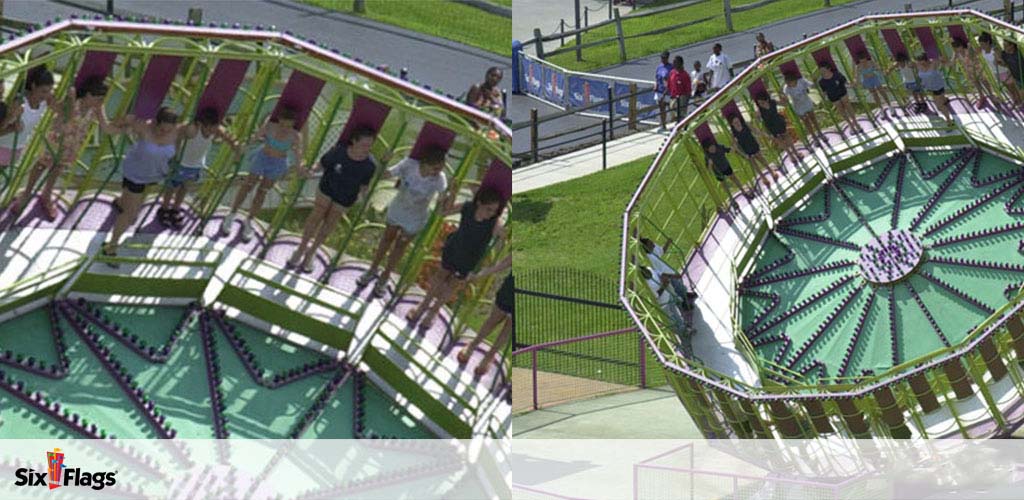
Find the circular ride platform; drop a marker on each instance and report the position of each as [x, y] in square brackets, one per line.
[875, 289]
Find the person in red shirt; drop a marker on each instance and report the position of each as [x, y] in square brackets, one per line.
[679, 87]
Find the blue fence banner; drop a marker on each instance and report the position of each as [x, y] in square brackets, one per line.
[584, 92]
[644, 98]
[558, 82]
[533, 71]
[548, 80]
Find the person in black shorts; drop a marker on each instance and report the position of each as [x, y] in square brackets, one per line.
[714, 156]
[462, 252]
[503, 311]
[743, 139]
[833, 84]
[775, 126]
[348, 169]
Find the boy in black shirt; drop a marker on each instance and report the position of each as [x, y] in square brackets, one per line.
[833, 84]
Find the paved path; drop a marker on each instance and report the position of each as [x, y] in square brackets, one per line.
[586, 161]
[611, 417]
[435, 61]
[545, 14]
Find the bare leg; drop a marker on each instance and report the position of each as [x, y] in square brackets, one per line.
[330, 223]
[444, 293]
[437, 283]
[499, 344]
[397, 251]
[179, 195]
[496, 316]
[384, 247]
[243, 191]
[33, 177]
[321, 205]
[130, 203]
[257, 199]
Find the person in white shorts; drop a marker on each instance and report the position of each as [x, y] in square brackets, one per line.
[407, 215]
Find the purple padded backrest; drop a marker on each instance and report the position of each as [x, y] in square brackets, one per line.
[856, 46]
[156, 81]
[96, 63]
[365, 113]
[824, 55]
[927, 38]
[301, 92]
[222, 85]
[757, 88]
[895, 43]
[957, 31]
[498, 177]
[431, 135]
[790, 68]
[703, 133]
[731, 109]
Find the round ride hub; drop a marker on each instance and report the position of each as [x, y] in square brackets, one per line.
[875, 289]
[201, 330]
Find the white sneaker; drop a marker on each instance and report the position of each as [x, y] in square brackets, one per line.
[225, 225]
[246, 231]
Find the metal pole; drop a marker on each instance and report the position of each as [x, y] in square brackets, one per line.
[618, 33]
[533, 133]
[611, 114]
[110, 6]
[586, 15]
[643, 364]
[561, 30]
[579, 51]
[517, 70]
[604, 144]
[533, 363]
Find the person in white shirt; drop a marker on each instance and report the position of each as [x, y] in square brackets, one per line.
[721, 67]
[418, 183]
[38, 95]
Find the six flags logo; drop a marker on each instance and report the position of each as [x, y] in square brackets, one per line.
[70, 477]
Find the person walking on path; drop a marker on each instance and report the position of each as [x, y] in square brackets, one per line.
[661, 75]
[679, 87]
[720, 66]
[699, 80]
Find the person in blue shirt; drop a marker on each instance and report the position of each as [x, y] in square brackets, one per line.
[660, 85]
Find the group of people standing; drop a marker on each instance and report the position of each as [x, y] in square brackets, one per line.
[922, 77]
[172, 154]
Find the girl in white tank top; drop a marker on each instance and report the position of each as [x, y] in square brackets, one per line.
[198, 138]
[38, 96]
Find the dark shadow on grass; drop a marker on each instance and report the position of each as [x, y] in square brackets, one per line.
[531, 211]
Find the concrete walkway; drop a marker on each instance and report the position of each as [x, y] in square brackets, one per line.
[641, 414]
[586, 161]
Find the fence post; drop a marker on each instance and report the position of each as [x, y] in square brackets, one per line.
[195, 15]
[533, 133]
[610, 9]
[539, 44]
[611, 111]
[643, 363]
[907, 7]
[517, 52]
[618, 32]
[561, 31]
[728, 15]
[579, 37]
[632, 106]
[586, 18]
[110, 6]
[1008, 7]
[533, 365]
[604, 144]
[828, 3]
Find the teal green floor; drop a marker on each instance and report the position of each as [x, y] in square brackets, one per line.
[179, 387]
[915, 336]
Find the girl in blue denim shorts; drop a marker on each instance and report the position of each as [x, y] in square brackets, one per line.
[279, 136]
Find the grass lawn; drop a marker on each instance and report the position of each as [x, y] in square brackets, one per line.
[445, 19]
[608, 54]
[575, 225]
